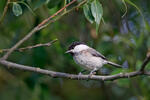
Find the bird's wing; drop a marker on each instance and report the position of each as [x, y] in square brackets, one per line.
[96, 54]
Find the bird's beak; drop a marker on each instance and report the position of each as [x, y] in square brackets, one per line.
[69, 51]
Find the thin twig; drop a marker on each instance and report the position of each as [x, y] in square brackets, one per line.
[72, 76]
[5, 11]
[49, 18]
[147, 59]
[66, 12]
[31, 47]
[37, 28]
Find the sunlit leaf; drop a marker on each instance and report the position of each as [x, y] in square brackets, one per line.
[87, 13]
[97, 12]
[17, 10]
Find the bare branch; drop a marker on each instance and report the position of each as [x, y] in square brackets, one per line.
[49, 18]
[72, 76]
[31, 47]
[37, 28]
[69, 76]
[66, 12]
[147, 59]
[5, 11]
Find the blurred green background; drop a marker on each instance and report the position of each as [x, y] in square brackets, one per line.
[124, 40]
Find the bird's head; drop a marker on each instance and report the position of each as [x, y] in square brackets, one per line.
[76, 47]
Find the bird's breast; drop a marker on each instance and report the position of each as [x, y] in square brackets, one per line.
[88, 61]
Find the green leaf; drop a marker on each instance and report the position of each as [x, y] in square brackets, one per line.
[97, 12]
[17, 10]
[88, 13]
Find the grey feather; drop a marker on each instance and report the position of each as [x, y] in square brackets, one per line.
[114, 64]
[96, 54]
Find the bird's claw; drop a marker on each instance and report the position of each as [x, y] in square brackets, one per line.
[79, 75]
[91, 73]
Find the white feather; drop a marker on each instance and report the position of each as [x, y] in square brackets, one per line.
[80, 47]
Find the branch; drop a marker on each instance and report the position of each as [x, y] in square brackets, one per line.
[5, 11]
[65, 75]
[42, 25]
[37, 28]
[66, 12]
[72, 76]
[147, 59]
[31, 47]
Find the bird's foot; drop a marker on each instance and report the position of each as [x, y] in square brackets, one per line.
[91, 73]
[79, 75]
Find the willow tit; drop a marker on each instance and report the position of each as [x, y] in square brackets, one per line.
[88, 57]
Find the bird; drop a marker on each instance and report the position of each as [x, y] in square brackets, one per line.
[88, 58]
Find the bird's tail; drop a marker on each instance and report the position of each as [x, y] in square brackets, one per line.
[114, 64]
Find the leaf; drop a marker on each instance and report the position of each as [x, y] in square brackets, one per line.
[88, 13]
[97, 12]
[17, 10]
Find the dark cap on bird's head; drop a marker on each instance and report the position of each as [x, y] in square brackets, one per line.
[72, 46]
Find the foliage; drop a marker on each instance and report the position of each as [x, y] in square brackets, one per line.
[124, 40]
[93, 11]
